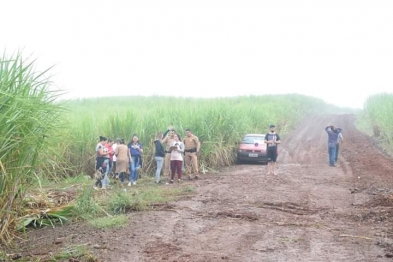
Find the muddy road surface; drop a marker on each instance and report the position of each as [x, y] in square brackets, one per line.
[309, 211]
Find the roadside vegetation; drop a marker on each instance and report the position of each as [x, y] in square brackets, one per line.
[28, 117]
[79, 253]
[376, 119]
[218, 122]
[73, 200]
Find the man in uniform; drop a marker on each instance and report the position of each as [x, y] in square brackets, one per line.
[192, 146]
[168, 138]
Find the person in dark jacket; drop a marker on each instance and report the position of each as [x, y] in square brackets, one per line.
[159, 155]
[136, 151]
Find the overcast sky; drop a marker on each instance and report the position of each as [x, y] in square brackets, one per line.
[340, 51]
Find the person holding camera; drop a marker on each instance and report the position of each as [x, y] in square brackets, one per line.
[333, 139]
[192, 146]
[177, 150]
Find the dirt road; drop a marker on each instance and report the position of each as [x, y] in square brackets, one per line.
[308, 212]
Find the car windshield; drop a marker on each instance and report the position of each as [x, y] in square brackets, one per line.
[253, 139]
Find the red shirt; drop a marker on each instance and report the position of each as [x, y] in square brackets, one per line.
[111, 152]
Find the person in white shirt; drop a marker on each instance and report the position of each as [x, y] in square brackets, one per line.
[177, 151]
[116, 174]
[339, 141]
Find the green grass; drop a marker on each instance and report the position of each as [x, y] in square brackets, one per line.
[80, 252]
[3, 256]
[81, 179]
[44, 219]
[377, 117]
[86, 206]
[103, 208]
[62, 183]
[218, 122]
[364, 124]
[188, 189]
[29, 116]
[142, 197]
[112, 221]
[119, 203]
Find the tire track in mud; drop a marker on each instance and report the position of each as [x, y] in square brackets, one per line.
[295, 216]
[289, 207]
[306, 145]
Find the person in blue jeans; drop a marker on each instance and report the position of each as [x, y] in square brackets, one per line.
[340, 140]
[333, 136]
[102, 159]
[136, 151]
[159, 155]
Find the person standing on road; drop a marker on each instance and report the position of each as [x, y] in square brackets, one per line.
[101, 153]
[340, 140]
[123, 158]
[102, 161]
[159, 155]
[136, 151]
[177, 150]
[111, 152]
[333, 133]
[272, 139]
[114, 146]
[192, 146]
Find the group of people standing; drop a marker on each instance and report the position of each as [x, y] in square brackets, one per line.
[174, 154]
[171, 152]
[121, 158]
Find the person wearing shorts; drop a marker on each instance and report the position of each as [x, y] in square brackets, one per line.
[272, 139]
